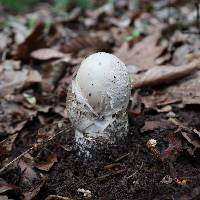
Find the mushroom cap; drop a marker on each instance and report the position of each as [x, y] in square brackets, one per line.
[104, 82]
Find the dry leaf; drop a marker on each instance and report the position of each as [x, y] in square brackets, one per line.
[162, 74]
[7, 144]
[143, 53]
[5, 186]
[34, 191]
[185, 91]
[12, 79]
[14, 117]
[46, 165]
[34, 41]
[46, 54]
[52, 72]
[89, 44]
[192, 139]
[152, 125]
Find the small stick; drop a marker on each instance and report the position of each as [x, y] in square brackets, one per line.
[110, 166]
[132, 175]
[35, 146]
[104, 177]
[180, 125]
[122, 157]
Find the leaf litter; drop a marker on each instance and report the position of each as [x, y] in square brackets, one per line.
[37, 66]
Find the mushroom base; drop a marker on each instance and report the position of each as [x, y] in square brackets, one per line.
[114, 132]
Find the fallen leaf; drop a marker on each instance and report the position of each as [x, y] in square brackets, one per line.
[192, 139]
[164, 74]
[30, 181]
[34, 41]
[185, 92]
[5, 186]
[34, 191]
[13, 80]
[14, 117]
[7, 144]
[46, 54]
[52, 72]
[143, 53]
[152, 125]
[48, 163]
[86, 44]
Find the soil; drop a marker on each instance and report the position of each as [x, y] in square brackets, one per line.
[134, 173]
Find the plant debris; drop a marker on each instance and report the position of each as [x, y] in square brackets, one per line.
[41, 49]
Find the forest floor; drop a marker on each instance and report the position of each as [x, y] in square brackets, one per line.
[40, 51]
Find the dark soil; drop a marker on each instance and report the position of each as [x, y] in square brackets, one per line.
[136, 176]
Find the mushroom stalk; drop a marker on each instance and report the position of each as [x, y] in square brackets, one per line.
[97, 101]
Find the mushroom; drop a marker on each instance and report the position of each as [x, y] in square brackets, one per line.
[97, 101]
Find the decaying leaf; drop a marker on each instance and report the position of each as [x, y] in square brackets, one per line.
[184, 91]
[48, 163]
[34, 41]
[164, 74]
[46, 54]
[14, 117]
[13, 79]
[86, 44]
[152, 125]
[191, 135]
[52, 72]
[142, 54]
[30, 180]
[192, 139]
[5, 186]
[28, 195]
[7, 144]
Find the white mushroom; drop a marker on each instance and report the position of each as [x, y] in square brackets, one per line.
[97, 100]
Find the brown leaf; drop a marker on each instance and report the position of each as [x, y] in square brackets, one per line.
[46, 54]
[143, 53]
[12, 79]
[46, 165]
[185, 91]
[7, 144]
[14, 117]
[87, 44]
[30, 180]
[152, 125]
[5, 186]
[192, 139]
[34, 41]
[34, 191]
[52, 72]
[164, 74]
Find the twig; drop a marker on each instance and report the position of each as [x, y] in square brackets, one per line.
[105, 177]
[122, 157]
[110, 166]
[132, 175]
[35, 146]
[180, 125]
